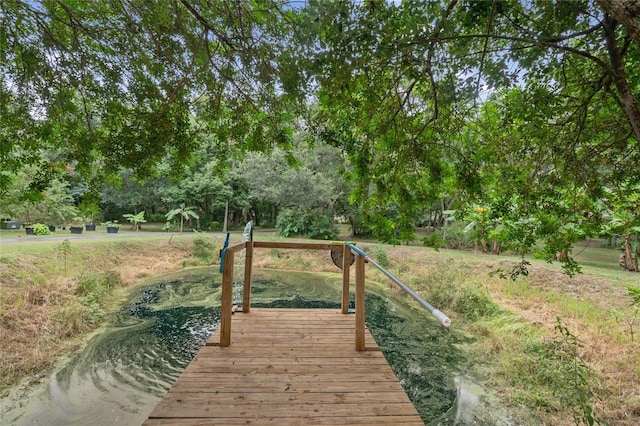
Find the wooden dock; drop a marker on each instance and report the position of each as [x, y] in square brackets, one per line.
[287, 367]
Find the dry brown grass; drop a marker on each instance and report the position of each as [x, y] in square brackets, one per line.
[607, 348]
[40, 314]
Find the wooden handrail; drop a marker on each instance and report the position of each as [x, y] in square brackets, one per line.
[237, 247]
[299, 246]
[226, 305]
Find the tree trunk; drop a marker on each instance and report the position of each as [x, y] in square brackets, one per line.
[627, 12]
[436, 221]
[444, 229]
[226, 215]
[630, 258]
[562, 254]
[620, 78]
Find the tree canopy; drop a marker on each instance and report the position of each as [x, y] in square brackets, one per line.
[113, 84]
[534, 104]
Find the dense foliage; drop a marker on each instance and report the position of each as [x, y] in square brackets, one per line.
[528, 109]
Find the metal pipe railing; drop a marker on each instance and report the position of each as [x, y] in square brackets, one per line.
[437, 314]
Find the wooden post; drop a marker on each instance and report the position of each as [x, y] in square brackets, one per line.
[226, 302]
[359, 303]
[346, 257]
[248, 266]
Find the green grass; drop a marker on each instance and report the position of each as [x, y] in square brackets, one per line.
[566, 303]
[30, 244]
[12, 233]
[593, 256]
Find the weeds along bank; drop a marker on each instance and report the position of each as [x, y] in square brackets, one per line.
[565, 349]
[580, 368]
[55, 293]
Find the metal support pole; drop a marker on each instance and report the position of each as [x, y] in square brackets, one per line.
[441, 317]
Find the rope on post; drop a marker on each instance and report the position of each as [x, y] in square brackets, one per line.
[224, 251]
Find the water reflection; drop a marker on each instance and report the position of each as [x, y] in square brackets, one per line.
[122, 373]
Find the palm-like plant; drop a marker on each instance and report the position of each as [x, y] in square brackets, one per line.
[135, 219]
[184, 212]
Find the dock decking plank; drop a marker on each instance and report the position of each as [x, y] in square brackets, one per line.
[279, 421]
[287, 367]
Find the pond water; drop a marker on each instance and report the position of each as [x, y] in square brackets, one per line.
[124, 370]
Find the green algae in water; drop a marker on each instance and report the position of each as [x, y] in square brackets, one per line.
[153, 339]
[122, 373]
[421, 353]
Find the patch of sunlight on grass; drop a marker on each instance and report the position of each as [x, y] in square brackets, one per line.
[566, 303]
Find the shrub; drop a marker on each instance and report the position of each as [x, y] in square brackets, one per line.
[94, 308]
[381, 256]
[322, 228]
[215, 226]
[265, 224]
[361, 229]
[473, 303]
[87, 285]
[111, 279]
[557, 377]
[447, 292]
[634, 293]
[456, 238]
[293, 222]
[95, 287]
[156, 217]
[203, 250]
[40, 229]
